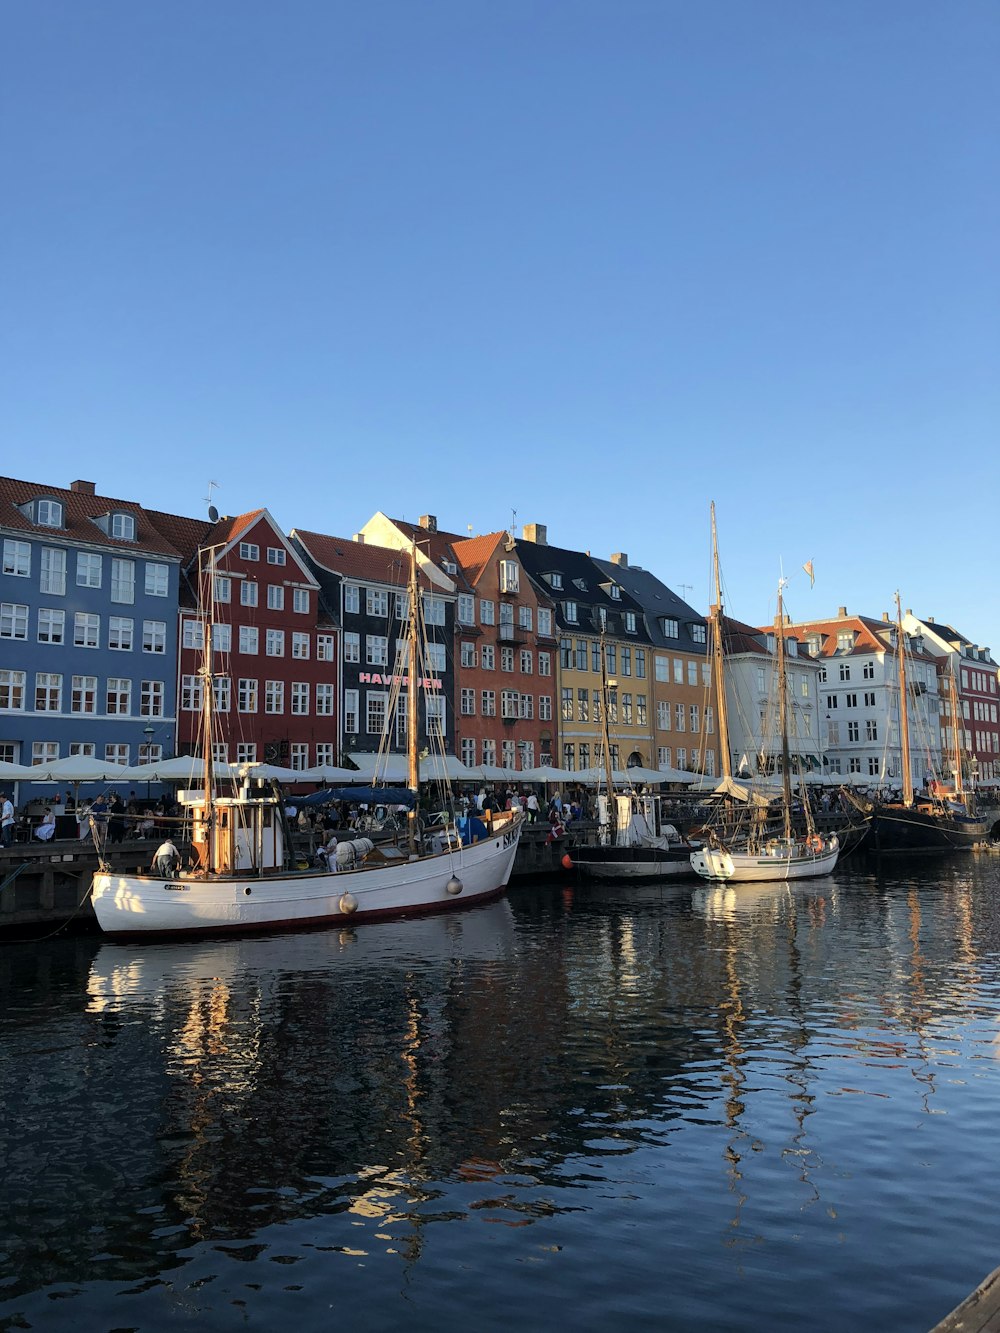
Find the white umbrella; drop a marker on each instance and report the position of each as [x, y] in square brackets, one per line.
[329, 775]
[546, 773]
[380, 768]
[76, 768]
[492, 773]
[444, 767]
[653, 775]
[15, 772]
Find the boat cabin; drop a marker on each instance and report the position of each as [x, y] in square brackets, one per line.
[244, 837]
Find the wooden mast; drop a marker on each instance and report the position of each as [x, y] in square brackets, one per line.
[904, 719]
[412, 701]
[206, 598]
[786, 759]
[608, 769]
[956, 744]
[718, 661]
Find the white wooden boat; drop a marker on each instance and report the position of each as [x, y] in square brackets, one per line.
[777, 859]
[761, 854]
[243, 879]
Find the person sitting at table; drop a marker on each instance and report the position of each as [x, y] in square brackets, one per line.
[46, 829]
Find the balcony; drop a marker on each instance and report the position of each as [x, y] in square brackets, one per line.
[512, 634]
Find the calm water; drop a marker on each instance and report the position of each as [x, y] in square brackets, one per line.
[663, 1108]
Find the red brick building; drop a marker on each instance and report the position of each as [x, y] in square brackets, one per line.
[275, 661]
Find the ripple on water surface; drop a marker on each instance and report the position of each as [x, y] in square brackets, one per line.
[674, 1105]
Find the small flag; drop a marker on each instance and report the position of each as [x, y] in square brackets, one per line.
[808, 567]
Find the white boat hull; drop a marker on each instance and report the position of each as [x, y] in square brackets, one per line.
[149, 905]
[748, 867]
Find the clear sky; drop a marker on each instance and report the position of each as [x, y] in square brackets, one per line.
[597, 262]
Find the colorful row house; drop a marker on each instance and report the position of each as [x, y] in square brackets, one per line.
[88, 627]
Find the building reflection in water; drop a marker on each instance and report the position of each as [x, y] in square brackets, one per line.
[496, 1062]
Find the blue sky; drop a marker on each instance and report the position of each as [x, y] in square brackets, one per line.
[595, 263]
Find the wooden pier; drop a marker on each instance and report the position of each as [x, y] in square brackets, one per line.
[978, 1313]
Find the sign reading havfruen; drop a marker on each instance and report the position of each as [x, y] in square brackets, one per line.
[373, 678]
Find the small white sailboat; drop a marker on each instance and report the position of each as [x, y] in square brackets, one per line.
[763, 852]
[244, 880]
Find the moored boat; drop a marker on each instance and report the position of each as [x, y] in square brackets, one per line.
[941, 819]
[244, 878]
[762, 853]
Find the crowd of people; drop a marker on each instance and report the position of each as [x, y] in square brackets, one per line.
[120, 819]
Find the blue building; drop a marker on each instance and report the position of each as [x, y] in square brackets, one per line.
[88, 627]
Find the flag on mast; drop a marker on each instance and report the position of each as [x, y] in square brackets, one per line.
[808, 567]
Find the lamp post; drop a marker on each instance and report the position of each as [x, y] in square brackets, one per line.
[148, 731]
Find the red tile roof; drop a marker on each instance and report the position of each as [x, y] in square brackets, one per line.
[80, 510]
[473, 554]
[359, 560]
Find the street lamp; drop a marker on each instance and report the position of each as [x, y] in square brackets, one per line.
[149, 732]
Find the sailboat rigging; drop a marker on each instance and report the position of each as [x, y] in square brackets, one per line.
[942, 818]
[242, 879]
[759, 852]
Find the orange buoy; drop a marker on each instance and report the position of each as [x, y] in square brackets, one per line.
[567, 861]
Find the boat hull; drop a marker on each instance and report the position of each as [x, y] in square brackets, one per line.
[144, 905]
[717, 863]
[631, 862]
[902, 829]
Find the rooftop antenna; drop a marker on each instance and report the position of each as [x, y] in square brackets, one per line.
[513, 524]
[213, 513]
[686, 587]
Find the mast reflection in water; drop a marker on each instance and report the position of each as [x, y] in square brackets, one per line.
[682, 1106]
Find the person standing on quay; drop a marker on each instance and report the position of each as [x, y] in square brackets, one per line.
[6, 821]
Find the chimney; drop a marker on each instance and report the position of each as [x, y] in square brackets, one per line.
[83, 487]
[930, 620]
[429, 522]
[842, 611]
[358, 537]
[885, 617]
[620, 558]
[535, 532]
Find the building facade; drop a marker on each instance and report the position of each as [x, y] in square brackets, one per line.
[859, 699]
[274, 660]
[975, 673]
[365, 593]
[604, 660]
[88, 627]
[682, 711]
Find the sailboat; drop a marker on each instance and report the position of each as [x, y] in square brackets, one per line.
[244, 880]
[765, 850]
[635, 839]
[940, 819]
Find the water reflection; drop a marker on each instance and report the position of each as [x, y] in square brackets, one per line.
[744, 1071]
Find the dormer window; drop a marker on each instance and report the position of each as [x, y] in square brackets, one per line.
[602, 616]
[581, 584]
[615, 593]
[556, 580]
[123, 527]
[671, 629]
[699, 634]
[48, 513]
[813, 645]
[449, 566]
[569, 611]
[630, 622]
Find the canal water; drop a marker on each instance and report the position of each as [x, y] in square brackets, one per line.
[670, 1107]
